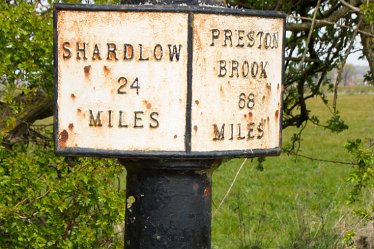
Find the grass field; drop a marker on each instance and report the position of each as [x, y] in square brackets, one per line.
[294, 202]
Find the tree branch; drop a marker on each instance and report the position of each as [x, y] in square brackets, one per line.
[36, 106]
[367, 42]
[327, 23]
[350, 6]
[320, 160]
[306, 26]
[342, 64]
[301, 63]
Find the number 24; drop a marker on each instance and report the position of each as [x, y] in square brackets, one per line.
[123, 81]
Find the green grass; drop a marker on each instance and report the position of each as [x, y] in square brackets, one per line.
[294, 202]
[356, 90]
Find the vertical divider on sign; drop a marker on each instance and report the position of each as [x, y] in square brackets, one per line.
[189, 83]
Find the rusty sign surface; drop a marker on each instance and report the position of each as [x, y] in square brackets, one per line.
[167, 82]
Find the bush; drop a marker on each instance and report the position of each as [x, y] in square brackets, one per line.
[59, 202]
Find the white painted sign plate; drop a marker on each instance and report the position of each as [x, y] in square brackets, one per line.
[168, 82]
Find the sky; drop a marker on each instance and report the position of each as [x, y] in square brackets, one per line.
[353, 57]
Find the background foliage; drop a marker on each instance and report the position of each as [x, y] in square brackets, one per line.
[55, 202]
[46, 201]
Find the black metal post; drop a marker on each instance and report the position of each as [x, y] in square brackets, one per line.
[169, 201]
[169, 196]
[168, 204]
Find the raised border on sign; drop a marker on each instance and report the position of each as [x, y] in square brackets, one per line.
[190, 10]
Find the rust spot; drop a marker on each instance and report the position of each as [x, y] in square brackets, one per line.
[158, 52]
[250, 114]
[106, 70]
[265, 74]
[72, 96]
[79, 110]
[263, 98]
[197, 102]
[245, 115]
[71, 126]
[276, 114]
[87, 70]
[195, 128]
[63, 137]
[278, 86]
[268, 88]
[147, 104]
[221, 89]
[129, 52]
[175, 136]
[206, 192]
[196, 36]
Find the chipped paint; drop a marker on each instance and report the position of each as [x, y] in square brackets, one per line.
[158, 91]
[130, 201]
[238, 79]
[124, 99]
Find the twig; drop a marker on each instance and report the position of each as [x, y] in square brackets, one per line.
[41, 125]
[38, 134]
[119, 184]
[350, 6]
[310, 34]
[321, 160]
[299, 59]
[330, 23]
[28, 198]
[342, 64]
[231, 185]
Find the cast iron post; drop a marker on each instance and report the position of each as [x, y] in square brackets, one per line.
[169, 201]
[168, 204]
[189, 114]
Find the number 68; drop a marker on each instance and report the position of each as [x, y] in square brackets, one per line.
[246, 101]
